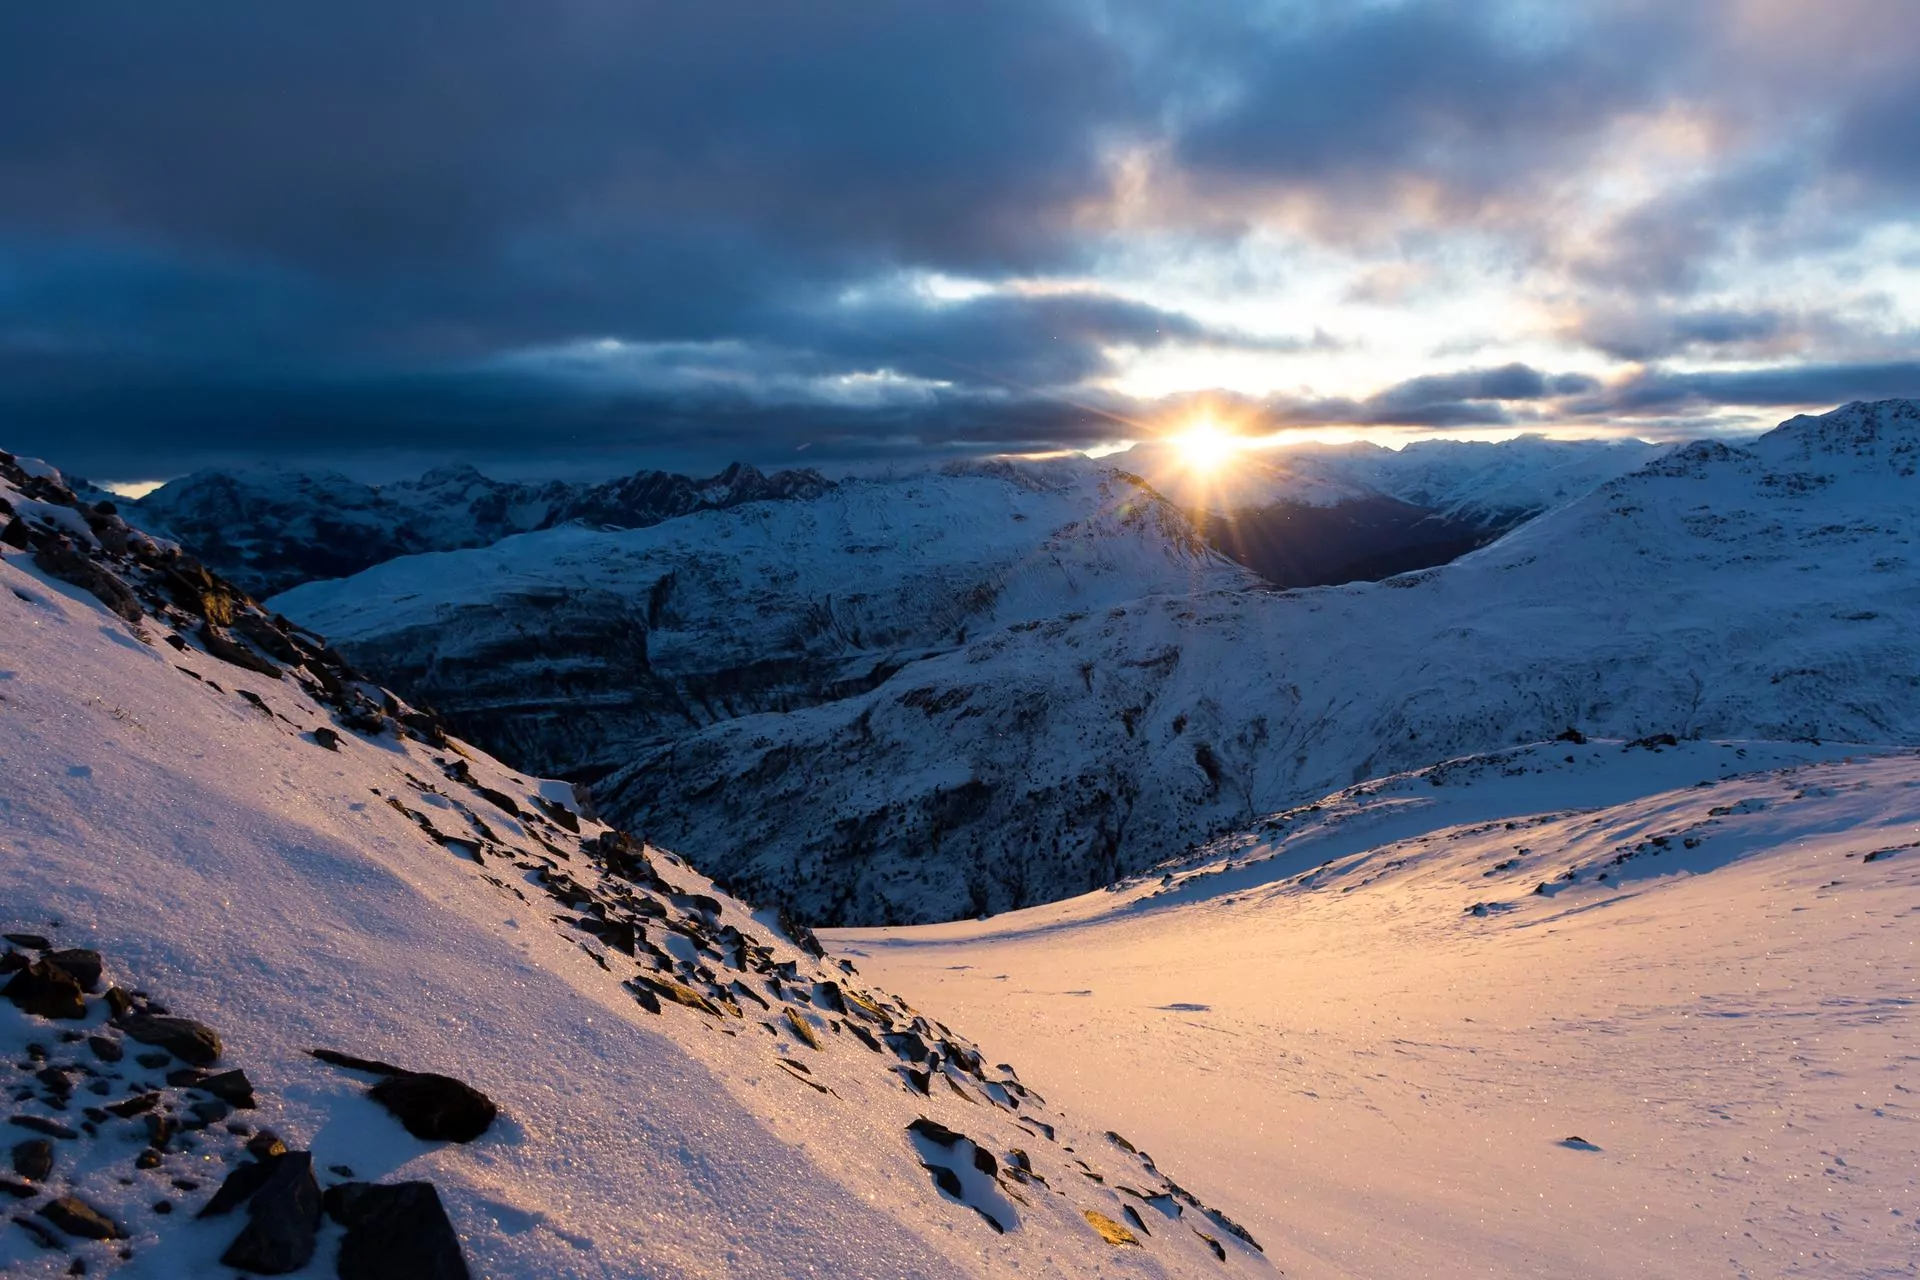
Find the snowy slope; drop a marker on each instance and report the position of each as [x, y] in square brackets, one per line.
[269, 529]
[1574, 1010]
[265, 843]
[574, 649]
[1765, 591]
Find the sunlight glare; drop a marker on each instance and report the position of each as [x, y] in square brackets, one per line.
[1204, 446]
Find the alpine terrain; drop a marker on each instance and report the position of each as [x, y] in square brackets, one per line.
[296, 983]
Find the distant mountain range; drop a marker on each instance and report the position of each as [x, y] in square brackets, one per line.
[269, 530]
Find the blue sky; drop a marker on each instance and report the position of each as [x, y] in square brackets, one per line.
[593, 232]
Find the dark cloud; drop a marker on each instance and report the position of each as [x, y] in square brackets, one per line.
[242, 227]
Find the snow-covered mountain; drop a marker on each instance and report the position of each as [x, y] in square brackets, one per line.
[1584, 1009]
[574, 649]
[221, 850]
[1320, 514]
[1763, 591]
[268, 530]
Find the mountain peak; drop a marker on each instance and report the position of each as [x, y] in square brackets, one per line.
[1882, 431]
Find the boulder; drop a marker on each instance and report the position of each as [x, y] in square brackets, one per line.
[83, 964]
[434, 1107]
[33, 1159]
[395, 1232]
[184, 1038]
[282, 1219]
[47, 991]
[78, 1218]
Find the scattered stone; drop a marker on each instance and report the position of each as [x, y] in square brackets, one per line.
[1110, 1231]
[33, 1159]
[52, 1128]
[231, 1087]
[131, 1107]
[327, 738]
[1577, 1143]
[32, 941]
[148, 1159]
[163, 1206]
[84, 965]
[266, 1144]
[210, 1111]
[153, 1059]
[47, 991]
[282, 1218]
[190, 1041]
[119, 1003]
[106, 1049]
[18, 1190]
[436, 1108]
[78, 1218]
[335, 1058]
[397, 1231]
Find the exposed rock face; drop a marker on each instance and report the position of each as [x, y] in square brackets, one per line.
[283, 1217]
[268, 531]
[47, 991]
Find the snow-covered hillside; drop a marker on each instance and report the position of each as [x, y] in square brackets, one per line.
[270, 529]
[574, 649]
[221, 849]
[1765, 591]
[1588, 1009]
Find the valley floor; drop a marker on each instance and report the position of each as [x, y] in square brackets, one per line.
[1380, 1064]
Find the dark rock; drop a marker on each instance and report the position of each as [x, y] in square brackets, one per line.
[934, 1131]
[227, 649]
[55, 1080]
[184, 1038]
[106, 1049]
[78, 1218]
[153, 1059]
[266, 1144]
[239, 1186]
[229, 1086]
[334, 1058]
[327, 738]
[395, 1232]
[76, 567]
[12, 961]
[47, 991]
[134, 1106]
[434, 1107]
[85, 965]
[18, 1190]
[32, 941]
[210, 1111]
[41, 1236]
[163, 1206]
[148, 1159]
[52, 1128]
[283, 1216]
[33, 1159]
[119, 1003]
[185, 1077]
[159, 1130]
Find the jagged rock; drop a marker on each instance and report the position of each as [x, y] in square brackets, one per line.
[47, 991]
[227, 649]
[395, 1232]
[334, 1058]
[84, 965]
[127, 1108]
[436, 1108]
[31, 941]
[327, 738]
[33, 1159]
[184, 1038]
[283, 1216]
[78, 1218]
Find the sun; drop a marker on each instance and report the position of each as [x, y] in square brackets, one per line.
[1204, 447]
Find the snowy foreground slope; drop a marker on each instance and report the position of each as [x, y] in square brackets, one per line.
[262, 842]
[575, 649]
[1764, 591]
[1591, 1010]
